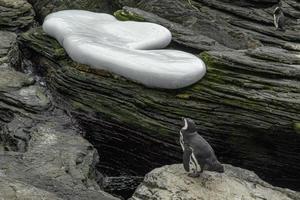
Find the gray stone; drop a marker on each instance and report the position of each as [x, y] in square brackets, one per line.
[15, 14]
[247, 106]
[19, 93]
[247, 99]
[42, 154]
[53, 161]
[9, 55]
[45, 7]
[172, 182]
[16, 190]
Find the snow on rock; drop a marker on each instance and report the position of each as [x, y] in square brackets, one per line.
[125, 48]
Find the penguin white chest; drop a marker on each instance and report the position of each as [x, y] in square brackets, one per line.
[194, 165]
[181, 141]
[275, 21]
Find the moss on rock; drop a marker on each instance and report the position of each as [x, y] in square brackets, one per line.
[124, 15]
[297, 127]
[39, 41]
[15, 14]
[242, 103]
[45, 7]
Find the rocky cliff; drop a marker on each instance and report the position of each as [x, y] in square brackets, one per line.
[42, 152]
[45, 7]
[170, 182]
[15, 14]
[247, 106]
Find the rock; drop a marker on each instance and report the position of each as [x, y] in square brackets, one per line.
[229, 25]
[9, 55]
[275, 55]
[253, 20]
[171, 182]
[15, 14]
[247, 102]
[121, 183]
[12, 80]
[40, 150]
[106, 42]
[180, 33]
[247, 106]
[12, 189]
[45, 7]
[42, 153]
[53, 160]
[19, 93]
[120, 3]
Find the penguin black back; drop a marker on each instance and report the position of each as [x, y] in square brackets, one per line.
[197, 153]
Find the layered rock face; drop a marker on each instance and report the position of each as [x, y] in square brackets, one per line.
[45, 7]
[15, 14]
[247, 106]
[103, 42]
[170, 182]
[45, 160]
[42, 153]
[9, 55]
[211, 25]
[248, 82]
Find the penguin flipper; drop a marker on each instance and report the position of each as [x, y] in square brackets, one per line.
[186, 159]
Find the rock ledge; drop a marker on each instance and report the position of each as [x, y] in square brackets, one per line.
[172, 182]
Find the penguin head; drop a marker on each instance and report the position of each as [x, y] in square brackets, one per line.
[189, 125]
[277, 11]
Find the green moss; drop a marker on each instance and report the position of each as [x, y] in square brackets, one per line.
[191, 4]
[297, 127]
[150, 110]
[60, 52]
[39, 41]
[207, 59]
[80, 107]
[183, 96]
[123, 15]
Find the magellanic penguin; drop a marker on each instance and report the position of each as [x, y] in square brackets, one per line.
[197, 153]
[279, 20]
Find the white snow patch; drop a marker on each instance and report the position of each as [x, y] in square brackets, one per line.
[124, 48]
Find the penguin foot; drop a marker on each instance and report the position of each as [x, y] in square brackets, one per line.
[194, 174]
[280, 29]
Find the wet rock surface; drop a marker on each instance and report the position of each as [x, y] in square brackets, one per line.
[228, 25]
[249, 65]
[15, 14]
[47, 157]
[247, 106]
[45, 7]
[42, 152]
[171, 182]
[9, 55]
[12, 189]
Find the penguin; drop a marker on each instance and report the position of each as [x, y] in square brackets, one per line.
[198, 155]
[279, 19]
